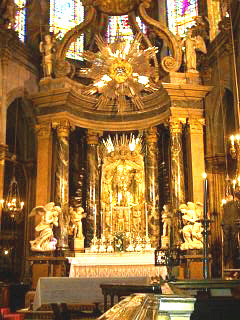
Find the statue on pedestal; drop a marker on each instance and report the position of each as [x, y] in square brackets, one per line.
[167, 216]
[192, 44]
[192, 230]
[76, 219]
[45, 240]
[48, 48]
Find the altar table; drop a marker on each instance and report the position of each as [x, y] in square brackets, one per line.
[98, 265]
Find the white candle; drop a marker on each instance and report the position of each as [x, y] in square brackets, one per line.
[129, 213]
[232, 140]
[101, 222]
[146, 213]
[111, 219]
[95, 221]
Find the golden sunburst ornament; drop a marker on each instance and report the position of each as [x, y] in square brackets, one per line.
[120, 71]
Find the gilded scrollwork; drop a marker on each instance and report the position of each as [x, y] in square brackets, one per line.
[169, 64]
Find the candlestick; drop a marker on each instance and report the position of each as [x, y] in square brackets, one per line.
[205, 228]
[146, 215]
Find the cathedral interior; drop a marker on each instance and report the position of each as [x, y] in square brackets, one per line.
[119, 155]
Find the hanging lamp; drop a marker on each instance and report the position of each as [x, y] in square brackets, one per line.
[13, 204]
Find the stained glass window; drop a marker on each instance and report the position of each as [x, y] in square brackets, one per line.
[120, 25]
[181, 14]
[64, 15]
[20, 21]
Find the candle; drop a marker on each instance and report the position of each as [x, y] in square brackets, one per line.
[232, 140]
[111, 219]
[205, 195]
[146, 213]
[101, 222]
[95, 221]
[129, 213]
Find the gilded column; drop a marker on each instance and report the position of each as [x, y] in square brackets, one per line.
[177, 170]
[62, 179]
[93, 182]
[152, 185]
[196, 158]
[44, 163]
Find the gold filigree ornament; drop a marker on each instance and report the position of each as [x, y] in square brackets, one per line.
[120, 71]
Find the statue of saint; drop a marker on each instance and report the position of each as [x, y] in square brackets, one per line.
[192, 44]
[76, 218]
[9, 11]
[47, 48]
[45, 240]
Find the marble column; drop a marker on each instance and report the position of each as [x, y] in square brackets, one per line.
[62, 179]
[44, 163]
[152, 185]
[93, 182]
[177, 188]
[196, 158]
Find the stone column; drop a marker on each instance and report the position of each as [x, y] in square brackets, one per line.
[177, 188]
[44, 163]
[93, 182]
[62, 179]
[196, 158]
[152, 185]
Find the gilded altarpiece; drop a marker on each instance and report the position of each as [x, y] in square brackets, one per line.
[123, 189]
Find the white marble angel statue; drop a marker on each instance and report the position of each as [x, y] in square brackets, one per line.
[193, 44]
[48, 48]
[45, 240]
[76, 219]
[192, 230]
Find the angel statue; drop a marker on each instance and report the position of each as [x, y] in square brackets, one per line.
[48, 214]
[76, 219]
[193, 44]
[48, 48]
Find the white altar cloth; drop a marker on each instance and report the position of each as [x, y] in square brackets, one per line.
[134, 264]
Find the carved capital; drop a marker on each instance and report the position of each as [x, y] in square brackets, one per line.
[93, 137]
[151, 135]
[63, 127]
[43, 130]
[175, 125]
[196, 125]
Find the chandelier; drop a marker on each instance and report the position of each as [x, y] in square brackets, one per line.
[13, 204]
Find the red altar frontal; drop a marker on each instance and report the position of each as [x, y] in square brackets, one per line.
[97, 265]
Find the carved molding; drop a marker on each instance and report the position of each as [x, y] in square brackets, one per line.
[43, 130]
[196, 125]
[151, 135]
[93, 137]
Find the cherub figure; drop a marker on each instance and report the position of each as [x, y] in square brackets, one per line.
[76, 219]
[48, 48]
[45, 240]
[192, 44]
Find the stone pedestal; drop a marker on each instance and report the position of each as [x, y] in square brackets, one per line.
[78, 244]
